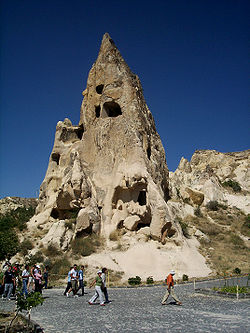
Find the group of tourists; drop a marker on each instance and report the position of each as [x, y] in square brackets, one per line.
[35, 280]
[75, 283]
[27, 279]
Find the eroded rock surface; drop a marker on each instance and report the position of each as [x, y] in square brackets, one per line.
[110, 171]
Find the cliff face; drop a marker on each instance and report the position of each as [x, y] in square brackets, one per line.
[213, 176]
[109, 171]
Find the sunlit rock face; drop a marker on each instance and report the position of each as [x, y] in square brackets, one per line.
[110, 171]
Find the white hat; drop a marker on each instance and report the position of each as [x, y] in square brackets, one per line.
[37, 266]
[172, 272]
[99, 272]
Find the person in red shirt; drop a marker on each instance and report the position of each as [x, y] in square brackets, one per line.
[170, 289]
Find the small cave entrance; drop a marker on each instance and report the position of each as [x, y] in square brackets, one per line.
[80, 131]
[97, 111]
[149, 152]
[120, 225]
[142, 198]
[55, 213]
[167, 231]
[111, 109]
[55, 157]
[99, 89]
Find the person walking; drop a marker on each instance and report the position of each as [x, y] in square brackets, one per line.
[25, 278]
[69, 284]
[38, 280]
[170, 289]
[104, 287]
[74, 278]
[9, 282]
[80, 279]
[98, 291]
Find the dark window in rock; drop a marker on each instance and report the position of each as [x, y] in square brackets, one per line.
[149, 152]
[140, 225]
[79, 132]
[111, 109]
[97, 111]
[120, 225]
[55, 157]
[142, 198]
[54, 213]
[99, 89]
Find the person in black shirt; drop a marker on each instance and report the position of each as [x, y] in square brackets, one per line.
[9, 281]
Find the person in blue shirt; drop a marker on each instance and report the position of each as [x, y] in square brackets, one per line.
[69, 284]
[80, 279]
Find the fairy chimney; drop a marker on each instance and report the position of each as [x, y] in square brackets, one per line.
[110, 171]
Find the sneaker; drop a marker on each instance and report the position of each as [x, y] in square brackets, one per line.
[67, 294]
[102, 304]
[75, 296]
[179, 303]
[90, 303]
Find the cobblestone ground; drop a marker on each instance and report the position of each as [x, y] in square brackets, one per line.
[140, 310]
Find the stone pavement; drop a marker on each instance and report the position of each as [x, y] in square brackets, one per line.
[140, 310]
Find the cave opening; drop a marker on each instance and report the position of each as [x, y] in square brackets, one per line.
[111, 109]
[55, 157]
[97, 111]
[142, 198]
[99, 89]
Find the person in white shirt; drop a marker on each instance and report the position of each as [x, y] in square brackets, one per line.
[104, 289]
[74, 278]
[25, 278]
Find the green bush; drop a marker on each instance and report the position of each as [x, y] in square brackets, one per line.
[232, 289]
[197, 212]
[247, 222]
[25, 246]
[52, 251]
[184, 228]
[233, 184]
[184, 277]
[212, 205]
[9, 244]
[237, 270]
[86, 246]
[16, 218]
[237, 241]
[150, 280]
[134, 280]
[60, 266]
[36, 258]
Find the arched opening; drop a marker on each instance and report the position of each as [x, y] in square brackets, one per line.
[149, 152]
[142, 198]
[54, 213]
[97, 111]
[55, 157]
[99, 89]
[80, 131]
[120, 225]
[111, 109]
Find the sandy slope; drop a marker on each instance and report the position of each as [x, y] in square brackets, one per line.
[152, 259]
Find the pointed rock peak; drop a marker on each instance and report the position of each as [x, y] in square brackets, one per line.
[108, 50]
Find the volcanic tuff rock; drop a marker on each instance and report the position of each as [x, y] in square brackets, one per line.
[11, 203]
[109, 171]
[205, 177]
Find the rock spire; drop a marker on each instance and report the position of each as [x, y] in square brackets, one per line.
[109, 172]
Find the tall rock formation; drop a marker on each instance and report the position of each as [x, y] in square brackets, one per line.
[110, 170]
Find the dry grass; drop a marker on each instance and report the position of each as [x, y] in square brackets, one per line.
[226, 249]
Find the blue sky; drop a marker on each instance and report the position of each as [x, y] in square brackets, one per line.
[191, 57]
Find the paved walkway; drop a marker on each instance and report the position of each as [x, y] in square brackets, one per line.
[140, 310]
